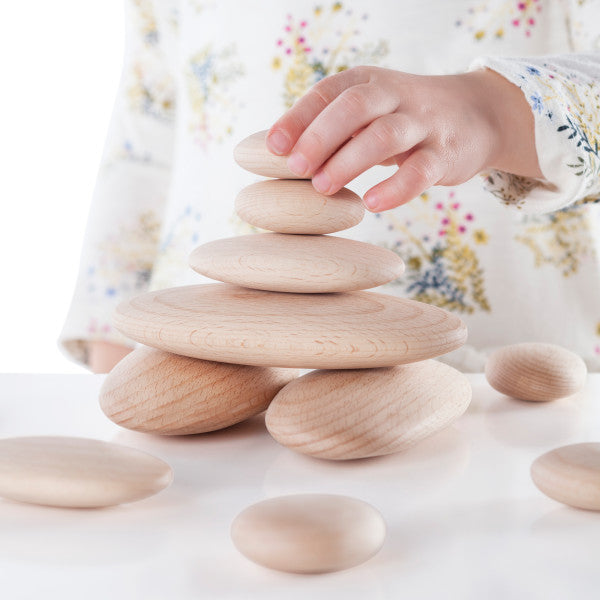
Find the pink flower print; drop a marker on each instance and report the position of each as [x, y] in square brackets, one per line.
[451, 195]
[301, 40]
[288, 50]
[531, 21]
[521, 5]
[303, 24]
[469, 217]
[307, 49]
[442, 232]
[445, 221]
[516, 22]
[439, 206]
[456, 206]
[287, 28]
[597, 349]
[279, 42]
[462, 229]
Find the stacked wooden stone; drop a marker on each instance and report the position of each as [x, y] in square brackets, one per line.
[290, 298]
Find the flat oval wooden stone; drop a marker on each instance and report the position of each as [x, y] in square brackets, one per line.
[158, 392]
[309, 533]
[77, 472]
[535, 371]
[570, 475]
[287, 206]
[297, 263]
[368, 412]
[253, 155]
[349, 330]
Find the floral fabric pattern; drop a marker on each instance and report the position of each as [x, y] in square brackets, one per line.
[442, 263]
[308, 52]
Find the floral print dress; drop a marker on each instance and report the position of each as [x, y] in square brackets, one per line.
[516, 258]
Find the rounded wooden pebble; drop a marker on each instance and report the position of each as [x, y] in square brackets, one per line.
[309, 533]
[369, 412]
[77, 472]
[287, 206]
[535, 371]
[297, 263]
[253, 155]
[233, 324]
[158, 392]
[570, 475]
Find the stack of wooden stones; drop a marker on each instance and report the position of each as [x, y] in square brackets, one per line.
[290, 298]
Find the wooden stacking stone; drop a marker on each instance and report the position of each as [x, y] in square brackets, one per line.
[288, 206]
[535, 371]
[233, 324]
[77, 472]
[309, 533]
[297, 263]
[368, 412]
[158, 392]
[570, 475]
[253, 155]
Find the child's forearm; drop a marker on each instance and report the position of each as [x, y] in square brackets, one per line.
[103, 356]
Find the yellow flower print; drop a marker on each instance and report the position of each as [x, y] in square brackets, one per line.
[480, 236]
[310, 50]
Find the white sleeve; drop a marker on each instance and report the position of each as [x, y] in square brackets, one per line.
[123, 229]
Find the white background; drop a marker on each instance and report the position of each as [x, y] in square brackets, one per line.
[60, 65]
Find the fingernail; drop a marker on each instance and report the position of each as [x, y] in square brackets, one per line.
[322, 182]
[371, 201]
[278, 141]
[297, 164]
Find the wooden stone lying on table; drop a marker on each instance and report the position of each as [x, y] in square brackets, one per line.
[297, 263]
[157, 392]
[252, 154]
[309, 533]
[368, 412]
[77, 472]
[536, 372]
[232, 324]
[287, 206]
[570, 475]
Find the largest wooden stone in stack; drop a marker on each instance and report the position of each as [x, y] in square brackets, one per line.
[293, 298]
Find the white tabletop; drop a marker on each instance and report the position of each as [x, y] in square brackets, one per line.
[464, 519]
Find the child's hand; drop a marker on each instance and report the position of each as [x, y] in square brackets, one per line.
[438, 130]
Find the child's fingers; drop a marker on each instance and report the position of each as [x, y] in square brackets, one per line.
[352, 110]
[421, 169]
[284, 134]
[385, 137]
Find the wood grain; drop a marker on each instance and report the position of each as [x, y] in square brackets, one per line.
[536, 372]
[288, 206]
[77, 472]
[352, 414]
[252, 154]
[297, 263]
[570, 475]
[158, 392]
[309, 533]
[232, 324]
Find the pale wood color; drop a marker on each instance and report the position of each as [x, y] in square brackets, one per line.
[352, 414]
[570, 475]
[288, 206]
[297, 263]
[309, 533]
[78, 472]
[158, 392]
[233, 324]
[535, 371]
[253, 155]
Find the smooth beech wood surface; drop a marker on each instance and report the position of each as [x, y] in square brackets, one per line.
[368, 412]
[288, 206]
[570, 475]
[158, 392]
[535, 371]
[309, 533]
[233, 324]
[252, 154]
[297, 263]
[77, 472]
